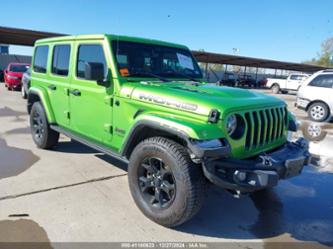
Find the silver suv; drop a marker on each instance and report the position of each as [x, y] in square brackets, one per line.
[316, 96]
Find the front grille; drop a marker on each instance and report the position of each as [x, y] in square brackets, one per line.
[264, 126]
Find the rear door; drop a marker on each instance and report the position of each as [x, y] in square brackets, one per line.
[90, 104]
[60, 78]
[321, 88]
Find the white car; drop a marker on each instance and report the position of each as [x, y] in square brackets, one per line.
[316, 96]
[292, 83]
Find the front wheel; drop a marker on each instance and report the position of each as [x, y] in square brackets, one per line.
[165, 184]
[275, 89]
[43, 136]
[318, 112]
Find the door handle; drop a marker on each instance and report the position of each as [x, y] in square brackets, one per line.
[52, 87]
[75, 92]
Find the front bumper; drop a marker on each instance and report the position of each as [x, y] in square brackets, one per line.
[13, 82]
[301, 103]
[260, 172]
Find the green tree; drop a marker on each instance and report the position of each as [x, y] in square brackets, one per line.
[324, 58]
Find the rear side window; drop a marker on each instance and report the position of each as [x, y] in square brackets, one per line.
[323, 81]
[297, 77]
[89, 53]
[60, 61]
[40, 59]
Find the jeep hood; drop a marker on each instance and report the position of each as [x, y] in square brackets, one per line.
[198, 98]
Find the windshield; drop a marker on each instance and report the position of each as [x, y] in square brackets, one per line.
[144, 60]
[18, 68]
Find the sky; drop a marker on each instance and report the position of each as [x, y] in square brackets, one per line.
[282, 30]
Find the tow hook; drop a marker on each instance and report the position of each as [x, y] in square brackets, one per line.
[266, 160]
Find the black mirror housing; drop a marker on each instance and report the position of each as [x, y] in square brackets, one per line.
[94, 71]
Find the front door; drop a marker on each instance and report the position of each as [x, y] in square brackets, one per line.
[90, 104]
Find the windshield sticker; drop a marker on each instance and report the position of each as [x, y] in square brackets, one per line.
[185, 61]
[124, 72]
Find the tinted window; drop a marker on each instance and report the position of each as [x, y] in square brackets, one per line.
[18, 68]
[90, 53]
[142, 60]
[40, 59]
[60, 62]
[294, 77]
[323, 81]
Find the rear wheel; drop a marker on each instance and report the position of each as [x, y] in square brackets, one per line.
[275, 89]
[43, 136]
[165, 184]
[318, 111]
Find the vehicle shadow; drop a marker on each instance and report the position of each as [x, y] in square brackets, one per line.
[266, 214]
[76, 147]
[291, 208]
[249, 217]
[73, 146]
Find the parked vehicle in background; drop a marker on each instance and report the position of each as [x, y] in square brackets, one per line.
[246, 80]
[1, 76]
[262, 82]
[229, 79]
[316, 96]
[25, 83]
[145, 103]
[292, 83]
[13, 75]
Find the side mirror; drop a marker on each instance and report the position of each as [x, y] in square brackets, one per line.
[95, 71]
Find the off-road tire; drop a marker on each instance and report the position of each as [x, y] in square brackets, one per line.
[43, 136]
[275, 89]
[318, 112]
[189, 181]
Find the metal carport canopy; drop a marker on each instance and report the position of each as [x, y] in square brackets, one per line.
[23, 37]
[27, 37]
[215, 58]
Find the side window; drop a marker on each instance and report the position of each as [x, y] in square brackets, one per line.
[303, 77]
[60, 61]
[40, 59]
[323, 81]
[294, 77]
[89, 53]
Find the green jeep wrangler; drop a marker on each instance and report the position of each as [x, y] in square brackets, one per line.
[144, 102]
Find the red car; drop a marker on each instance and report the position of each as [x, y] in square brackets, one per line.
[13, 75]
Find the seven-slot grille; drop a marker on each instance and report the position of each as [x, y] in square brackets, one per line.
[264, 126]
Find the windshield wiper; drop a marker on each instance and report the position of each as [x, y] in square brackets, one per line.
[147, 74]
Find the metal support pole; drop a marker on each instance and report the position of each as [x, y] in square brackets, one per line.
[206, 71]
[256, 74]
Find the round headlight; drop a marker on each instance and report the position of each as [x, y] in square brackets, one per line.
[231, 124]
[235, 126]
